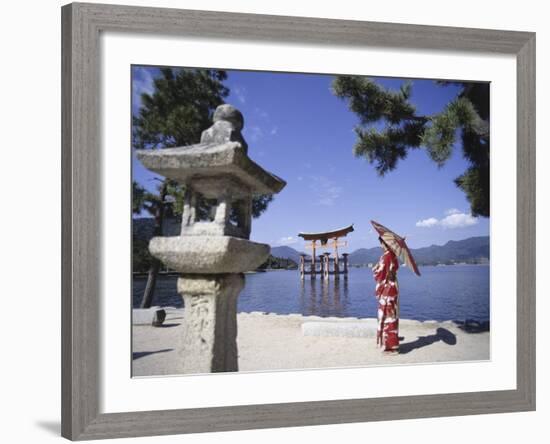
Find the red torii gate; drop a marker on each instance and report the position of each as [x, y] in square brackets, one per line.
[325, 239]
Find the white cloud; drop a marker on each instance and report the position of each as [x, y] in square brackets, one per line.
[458, 220]
[240, 93]
[254, 133]
[259, 124]
[452, 211]
[454, 219]
[288, 240]
[261, 113]
[327, 190]
[426, 223]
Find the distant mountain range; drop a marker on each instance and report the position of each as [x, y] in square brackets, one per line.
[286, 253]
[471, 250]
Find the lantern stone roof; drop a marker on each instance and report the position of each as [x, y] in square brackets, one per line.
[204, 160]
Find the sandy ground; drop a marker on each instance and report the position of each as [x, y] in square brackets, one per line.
[276, 342]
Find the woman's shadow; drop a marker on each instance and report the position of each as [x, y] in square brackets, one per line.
[441, 334]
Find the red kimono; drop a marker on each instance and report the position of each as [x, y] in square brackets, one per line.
[387, 292]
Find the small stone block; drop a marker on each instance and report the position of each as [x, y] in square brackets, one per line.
[158, 318]
[148, 316]
[359, 329]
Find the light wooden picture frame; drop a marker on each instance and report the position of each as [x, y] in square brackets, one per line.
[81, 174]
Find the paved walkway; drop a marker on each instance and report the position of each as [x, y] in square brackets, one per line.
[276, 342]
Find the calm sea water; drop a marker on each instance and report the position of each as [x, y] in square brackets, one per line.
[456, 292]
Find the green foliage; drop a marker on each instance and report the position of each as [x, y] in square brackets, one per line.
[386, 147]
[141, 258]
[138, 197]
[389, 127]
[439, 136]
[144, 200]
[180, 107]
[474, 182]
[175, 114]
[278, 263]
[260, 204]
[371, 102]
[175, 196]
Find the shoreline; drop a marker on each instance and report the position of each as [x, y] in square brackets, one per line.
[144, 274]
[268, 341]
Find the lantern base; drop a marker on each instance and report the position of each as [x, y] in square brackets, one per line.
[209, 254]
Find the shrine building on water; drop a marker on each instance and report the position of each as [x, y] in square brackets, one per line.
[325, 265]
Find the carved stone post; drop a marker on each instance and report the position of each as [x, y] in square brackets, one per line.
[345, 256]
[302, 266]
[326, 259]
[211, 255]
[322, 265]
[336, 260]
[313, 266]
[210, 334]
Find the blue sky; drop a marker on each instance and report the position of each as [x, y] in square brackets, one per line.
[297, 129]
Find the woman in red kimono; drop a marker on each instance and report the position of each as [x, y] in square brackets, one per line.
[387, 292]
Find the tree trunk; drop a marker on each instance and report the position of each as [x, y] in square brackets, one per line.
[149, 292]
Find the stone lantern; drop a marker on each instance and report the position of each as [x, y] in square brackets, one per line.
[213, 249]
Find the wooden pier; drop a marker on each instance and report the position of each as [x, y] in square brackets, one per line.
[327, 265]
